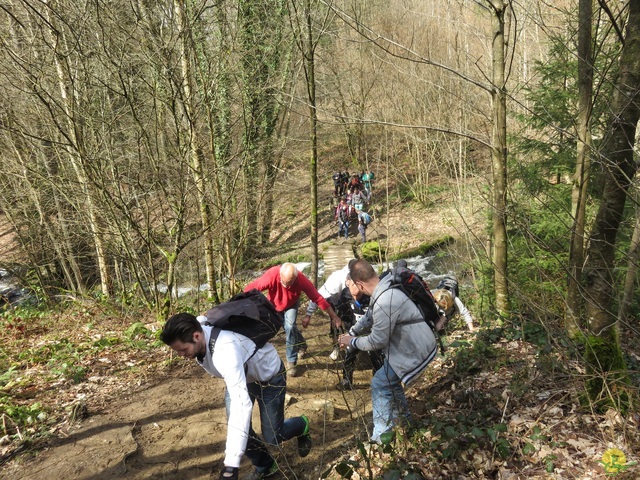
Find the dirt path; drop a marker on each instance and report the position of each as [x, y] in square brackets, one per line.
[176, 429]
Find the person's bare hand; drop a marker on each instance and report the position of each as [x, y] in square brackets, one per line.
[306, 320]
[344, 340]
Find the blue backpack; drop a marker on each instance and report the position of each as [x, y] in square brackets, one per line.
[449, 283]
[366, 218]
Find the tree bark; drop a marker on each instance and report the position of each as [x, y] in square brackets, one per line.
[311, 91]
[632, 266]
[617, 156]
[583, 163]
[199, 177]
[499, 159]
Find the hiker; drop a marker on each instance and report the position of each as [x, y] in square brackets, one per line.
[249, 375]
[446, 296]
[344, 181]
[407, 341]
[355, 182]
[347, 197]
[367, 182]
[337, 184]
[366, 197]
[356, 200]
[351, 307]
[364, 219]
[342, 216]
[331, 291]
[284, 284]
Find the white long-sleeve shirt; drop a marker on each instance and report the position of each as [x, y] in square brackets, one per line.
[458, 307]
[331, 288]
[231, 352]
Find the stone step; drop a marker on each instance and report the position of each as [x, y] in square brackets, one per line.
[337, 256]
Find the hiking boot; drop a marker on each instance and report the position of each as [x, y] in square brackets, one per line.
[304, 440]
[303, 351]
[292, 369]
[335, 354]
[344, 385]
[256, 475]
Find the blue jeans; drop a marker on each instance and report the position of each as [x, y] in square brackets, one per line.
[388, 401]
[363, 231]
[294, 338]
[275, 429]
[344, 226]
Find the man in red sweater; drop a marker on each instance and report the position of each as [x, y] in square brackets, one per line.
[284, 284]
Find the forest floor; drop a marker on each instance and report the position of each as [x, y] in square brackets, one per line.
[494, 406]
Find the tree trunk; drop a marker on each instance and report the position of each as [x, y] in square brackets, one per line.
[68, 95]
[311, 89]
[499, 159]
[617, 156]
[632, 266]
[188, 80]
[583, 162]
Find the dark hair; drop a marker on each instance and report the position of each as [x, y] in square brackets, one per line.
[361, 271]
[352, 262]
[402, 264]
[181, 327]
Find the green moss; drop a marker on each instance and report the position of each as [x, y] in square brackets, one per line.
[374, 251]
[424, 248]
[371, 251]
[607, 384]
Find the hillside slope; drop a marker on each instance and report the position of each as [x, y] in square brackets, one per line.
[495, 405]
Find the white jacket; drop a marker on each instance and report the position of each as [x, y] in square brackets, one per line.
[231, 352]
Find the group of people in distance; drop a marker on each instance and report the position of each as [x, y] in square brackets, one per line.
[366, 314]
[354, 194]
[343, 181]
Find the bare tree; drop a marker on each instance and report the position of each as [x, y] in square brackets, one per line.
[305, 27]
[188, 83]
[633, 258]
[498, 10]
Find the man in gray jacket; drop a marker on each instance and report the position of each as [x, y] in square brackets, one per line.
[407, 341]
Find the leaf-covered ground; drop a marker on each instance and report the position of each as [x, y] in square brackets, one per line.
[87, 392]
[494, 406]
[498, 406]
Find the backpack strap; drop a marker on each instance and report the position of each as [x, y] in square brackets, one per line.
[215, 332]
[424, 319]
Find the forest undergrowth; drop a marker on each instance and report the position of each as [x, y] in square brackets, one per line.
[506, 401]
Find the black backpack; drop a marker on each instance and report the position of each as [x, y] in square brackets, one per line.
[248, 313]
[450, 284]
[418, 292]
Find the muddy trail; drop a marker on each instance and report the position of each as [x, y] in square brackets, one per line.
[175, 427]
[171, 424]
